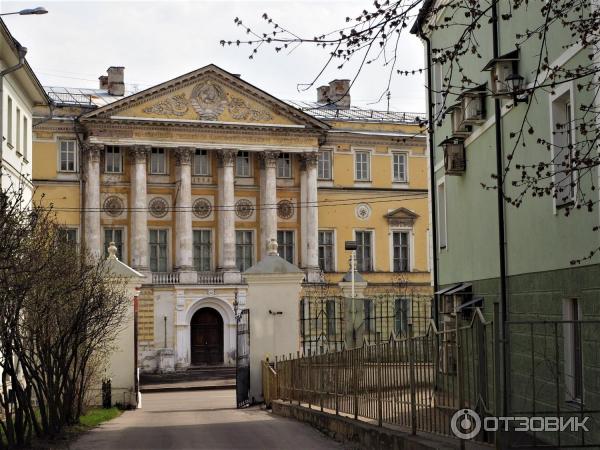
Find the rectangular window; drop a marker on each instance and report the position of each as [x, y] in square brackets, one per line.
[400, 167]
[324, 166]
[244, 250]
[284, 165]
[113, 160]
[25, 138]
[364, 253]
[401, 250]
[158, 161]
[68, 156]
[68, 235]
[158, 250]
[401, 312]
[331, 318]
[201, 163]
[285, 242]
[573, 350]
[242, 164]
[19, 150]
[9, 122]
[114, 235]
[563, 163]
[202, 250]
[362, 170]
[369, 316]
[441, 216]
[326, 249]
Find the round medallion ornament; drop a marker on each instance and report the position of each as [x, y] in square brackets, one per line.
[244, 208]
[113, 206]
[363, 211]
[285, 209]
[202, 208]
[158, 207]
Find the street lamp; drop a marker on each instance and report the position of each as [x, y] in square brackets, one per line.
[28, 12]
[515, 82]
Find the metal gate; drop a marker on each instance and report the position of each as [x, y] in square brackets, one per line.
[242, 360]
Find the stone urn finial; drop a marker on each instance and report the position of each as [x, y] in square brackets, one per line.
[112, 251]
[272, 248]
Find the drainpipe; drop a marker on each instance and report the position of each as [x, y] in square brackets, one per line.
[501, 218]
[22, 52]
[434, 237]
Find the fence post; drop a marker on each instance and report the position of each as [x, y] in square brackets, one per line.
[308, 378]
[413, 387]
[355, 380]
[497, 394]
[336, 369]
[379, 403]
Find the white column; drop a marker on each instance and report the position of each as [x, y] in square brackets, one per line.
[303, 203]
[268, 194]
[312, 217]
[182, 332]
[93, 241]
[139, 204]
[226, 210]
[184, 238]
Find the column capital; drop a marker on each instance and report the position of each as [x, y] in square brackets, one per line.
[309, 160]
[226, 157]
[183, 156]
[93, 151]
[138, 153]
[268, 158]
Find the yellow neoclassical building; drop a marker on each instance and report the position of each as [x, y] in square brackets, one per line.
[193, 177]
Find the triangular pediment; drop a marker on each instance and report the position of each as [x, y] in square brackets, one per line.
[401, 216]
[209, 94]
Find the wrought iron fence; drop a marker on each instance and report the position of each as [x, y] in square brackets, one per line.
[330, 322]
[414, 381]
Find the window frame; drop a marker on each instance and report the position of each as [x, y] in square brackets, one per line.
[18, 131]
[66, 229]
[368, 165]
[237, 157]
[208, 163]
[287, 245]
[121, 253]
[9, 122]
[410, 241]
[282, 157]
[112, 157]
[165, 160]
[167, 245]
[371, 267]
[25, 138]
[321, 165]
[75, 155]
[442, 183]
[210, 246]
[404, 154]
[333, 247]
[252, 246]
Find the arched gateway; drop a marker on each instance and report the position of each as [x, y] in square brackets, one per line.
[206, 337]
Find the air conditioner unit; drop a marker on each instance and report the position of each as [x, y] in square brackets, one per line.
[459, 128]
[455, 161]
[473, 106]
[501, 68]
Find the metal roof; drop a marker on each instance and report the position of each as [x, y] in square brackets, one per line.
[85, 97]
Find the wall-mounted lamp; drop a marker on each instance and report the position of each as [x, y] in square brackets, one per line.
[515, 83]
[276, 313]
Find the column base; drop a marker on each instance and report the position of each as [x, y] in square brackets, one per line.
[187, 276]
[313, 275]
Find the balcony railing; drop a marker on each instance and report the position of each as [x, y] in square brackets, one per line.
[210, 277]
[165, 277]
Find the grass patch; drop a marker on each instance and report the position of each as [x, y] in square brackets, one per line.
[96, 416]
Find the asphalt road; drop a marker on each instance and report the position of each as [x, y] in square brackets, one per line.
[200, 420]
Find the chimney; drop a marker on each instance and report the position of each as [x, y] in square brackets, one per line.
[337, 94]
[116, 80]
[103, 82]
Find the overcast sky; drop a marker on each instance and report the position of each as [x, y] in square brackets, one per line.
[157, 41]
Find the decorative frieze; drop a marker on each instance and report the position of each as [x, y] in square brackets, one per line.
[285, 209]
[244, 208]
[158, 207]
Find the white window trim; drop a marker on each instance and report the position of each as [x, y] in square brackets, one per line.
[169, 246]
[76, 228]
[440, 181]
[166, 154]
[213, 246]
[254, 243]
[59, 141]
[373, 246]
[106, 160]
[568, 345]
[335, 258]
[331, 151]
[552, 97]
[10, 120]
[291, 175]
[209, 163]
[369, 151]
[250, 166]
[123, 228]
[411, 246]
[406, 154]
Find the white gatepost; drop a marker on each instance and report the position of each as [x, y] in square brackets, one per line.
[274, 287]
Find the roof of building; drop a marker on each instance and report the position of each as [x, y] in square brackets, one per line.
[97, 98]
[272, 264]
